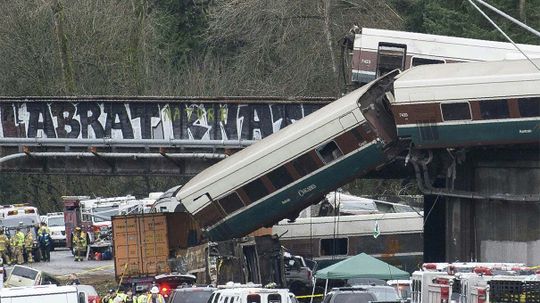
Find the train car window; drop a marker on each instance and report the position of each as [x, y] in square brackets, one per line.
[416, 61]
[456, 111]
[274, 298]
[494, 109]
[280, 177]
[253, 298]
[332, 247]
[356, 133]
[208, 216]
[329, 152]
[255, 190]
[231, 203]
[390, 56]
[304, 165]
[529, 107]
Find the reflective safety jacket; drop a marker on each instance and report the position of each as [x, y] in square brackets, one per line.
[19, 239]
[42, 228]
[79, 240]
[4, 242]
[29, 240]
[149, 299]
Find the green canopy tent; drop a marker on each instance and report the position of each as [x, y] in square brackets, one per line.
[361, 266]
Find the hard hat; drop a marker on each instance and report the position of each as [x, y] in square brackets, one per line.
[77, 228]
[21, 223]
[154, 290]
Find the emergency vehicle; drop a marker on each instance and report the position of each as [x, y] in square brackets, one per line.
[463, 282]
[20, 210]
[94, 215]
[55, 223]
[249, 293]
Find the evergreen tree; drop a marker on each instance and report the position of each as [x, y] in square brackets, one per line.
[460, 18]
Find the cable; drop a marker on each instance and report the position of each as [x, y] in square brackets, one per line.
[504, 34]
[429, 212]
[523, 25]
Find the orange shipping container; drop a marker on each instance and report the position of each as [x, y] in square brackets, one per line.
[143, 243]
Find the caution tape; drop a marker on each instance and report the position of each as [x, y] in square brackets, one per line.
[310, 296]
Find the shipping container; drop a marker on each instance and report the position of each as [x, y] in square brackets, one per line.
[145, 243]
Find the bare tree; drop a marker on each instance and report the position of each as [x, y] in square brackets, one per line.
[287, 47]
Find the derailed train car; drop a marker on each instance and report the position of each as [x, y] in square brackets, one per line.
[468, 104]
[462, 104]
[284, 173]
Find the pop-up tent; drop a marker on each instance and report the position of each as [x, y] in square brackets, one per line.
[361, 266]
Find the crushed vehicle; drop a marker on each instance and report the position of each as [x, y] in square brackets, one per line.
[26, 276]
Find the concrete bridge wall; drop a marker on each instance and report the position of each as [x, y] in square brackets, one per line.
[495, 230]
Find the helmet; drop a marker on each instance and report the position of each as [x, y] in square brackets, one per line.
[154, 290]
[77, 228]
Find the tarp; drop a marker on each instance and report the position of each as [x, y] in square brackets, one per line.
[362, 266]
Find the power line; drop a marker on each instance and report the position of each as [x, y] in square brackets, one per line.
[504, 34]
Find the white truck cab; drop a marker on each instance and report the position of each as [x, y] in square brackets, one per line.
[57, 226]
[251, 293]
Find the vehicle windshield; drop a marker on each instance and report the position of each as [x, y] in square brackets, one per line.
[191, 296]
[104, 213]
[385, 294]
[355, 297]
[14, 221]
[55, 221]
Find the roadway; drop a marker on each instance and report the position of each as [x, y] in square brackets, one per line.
[62, 264]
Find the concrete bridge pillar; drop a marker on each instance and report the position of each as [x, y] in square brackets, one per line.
[495, 230]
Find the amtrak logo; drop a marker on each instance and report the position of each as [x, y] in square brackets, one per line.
[306, 190]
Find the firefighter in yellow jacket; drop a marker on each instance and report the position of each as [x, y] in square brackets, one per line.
[29, 245]
[79, 244]
[18, 246]
[153, 297]
[4, 248]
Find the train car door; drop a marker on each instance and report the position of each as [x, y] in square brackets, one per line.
[390, 56]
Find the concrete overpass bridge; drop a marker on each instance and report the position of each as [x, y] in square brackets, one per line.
[123, 135]
[180, 136]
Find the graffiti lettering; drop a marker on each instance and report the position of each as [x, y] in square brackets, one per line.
[147, 120]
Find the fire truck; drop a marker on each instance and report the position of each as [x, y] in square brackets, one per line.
[93, 215]
[472, 283]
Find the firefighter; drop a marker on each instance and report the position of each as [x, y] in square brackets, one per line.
[154, 296]
[79, 244]
[130, 296]
[45, 243]
[4, 247]
[18, 246]
[109, 297]
[43, 226]
[143, 297]
[29, 245]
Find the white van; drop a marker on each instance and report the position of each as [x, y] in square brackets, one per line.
[251, 293]
[42, 294]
